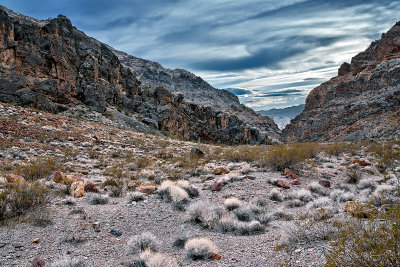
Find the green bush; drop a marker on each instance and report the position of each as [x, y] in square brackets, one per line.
[38, 169]
[16, 199]
[375, 242]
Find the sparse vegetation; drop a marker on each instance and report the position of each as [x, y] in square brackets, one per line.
[38, 169]
[200, 248]
[142, 242]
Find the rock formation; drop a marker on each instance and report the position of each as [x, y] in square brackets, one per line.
[196, 90]
[51, 65]
[363, 101]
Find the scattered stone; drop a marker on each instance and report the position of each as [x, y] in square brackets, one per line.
[282, 184]
[91, 187]
[58, 177]
[295, 182]
[15, 179]
[115, 232]
[196, 152]
[147, 188]
[36, 240]
[325, 183]
[96, 227]
[220, 171]
[290, 174]
[249, 177]
[217, 186]
[360, 162]
[38, 262]
[77, 189]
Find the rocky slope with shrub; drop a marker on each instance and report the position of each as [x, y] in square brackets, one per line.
[196, 90]
[363, 101]
[81, 189]
[51, 65]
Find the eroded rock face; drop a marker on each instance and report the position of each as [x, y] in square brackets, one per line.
[196, 90]
[363, 101]
[52, 65]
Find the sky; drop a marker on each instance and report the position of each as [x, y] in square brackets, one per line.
[270, 53]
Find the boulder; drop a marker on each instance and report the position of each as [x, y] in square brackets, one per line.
[220, 171]
[15, 179]
[360, 162]
[58, 177]
[77, 189]
[296, 181]
[38, 262]
[91, 187]
[217, 186]
[195, 152]
[290, 174]
[147, 188]
[325, 183]
[282, 183]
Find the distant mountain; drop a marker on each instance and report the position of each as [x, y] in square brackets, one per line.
[362, 101]
[290, 112]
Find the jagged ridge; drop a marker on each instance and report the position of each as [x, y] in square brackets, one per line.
[363, 101]
[52, 65]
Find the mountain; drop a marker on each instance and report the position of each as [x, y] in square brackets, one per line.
[196, 90]
[52, 65]
[282, 116]
[362, 101]
[290, 112]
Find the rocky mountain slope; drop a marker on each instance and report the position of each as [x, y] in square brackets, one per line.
[51, 65]
[363, 101]
[196, 90]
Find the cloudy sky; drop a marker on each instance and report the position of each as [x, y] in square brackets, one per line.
[271, 53]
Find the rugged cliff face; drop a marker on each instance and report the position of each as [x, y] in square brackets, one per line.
[52, 65]
[197, 91]
[363, 101]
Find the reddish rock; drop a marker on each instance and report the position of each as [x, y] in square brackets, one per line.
[91, 187]
[327, 174]
[147, 188]
[77, 189]
[220, 171]
[295, 182]
[360, 162]
[325, 183]
[290, 174]
[217, 186]
[69, 179]
[58, 177]
[38, 262]
[15, 179]
[282, 183]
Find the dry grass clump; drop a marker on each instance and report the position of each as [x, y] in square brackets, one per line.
[182, 237]
[142, 242]
[200, 248]
[354, 174]
[341, 196]
[276, 195]
[68, 262]
[247, 212]
[373, 242]
[316, 188]
[232, 203]
[249, 228]
[319, 203]
[304, 195]
[99, 199]
[170, 191]
[155, 259]
[205, 214]
[136, 196]
[16, 199]
[38, 169]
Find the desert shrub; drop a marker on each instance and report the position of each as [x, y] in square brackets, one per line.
[281, 157]
[369, 183]
[375, 242]
[353, 173]
[68, 262]
[136, 196]
[276, 195]
[142, 242]
[341, 196]
[306, 233]
[16, 199]
[319, 203]
[280, 215]
[170, 191]
[38, 169]
[200, 248]
[227, 223]
[99, 199]
[204, 213]
[247, 212]
[249, 228]
[156, 259]
[316, 188]
[336, 149]
[232, 203]
[303, 195]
